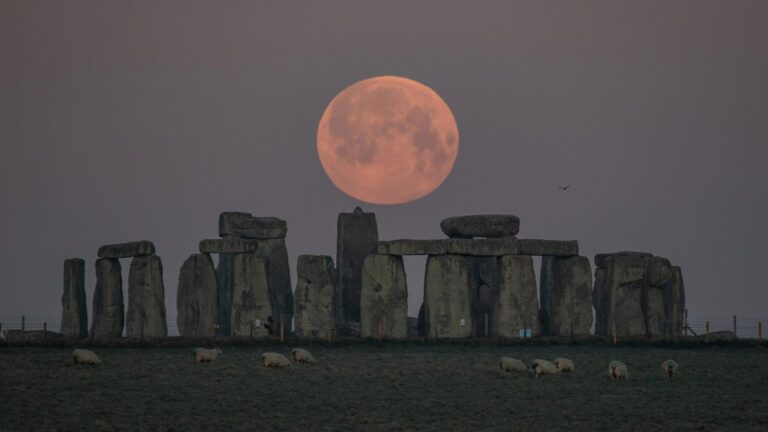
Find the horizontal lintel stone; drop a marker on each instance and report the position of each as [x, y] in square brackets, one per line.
[126, 250]
[228, 245]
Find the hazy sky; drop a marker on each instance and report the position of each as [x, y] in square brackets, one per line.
[123, 121]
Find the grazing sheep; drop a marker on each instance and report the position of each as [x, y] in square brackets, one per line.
[565, 365]
[543, 367]
[670, 368]
[301, 355]
[617, 370]
[82, 356]
[206, 355]
[509, 364]
[272, 359]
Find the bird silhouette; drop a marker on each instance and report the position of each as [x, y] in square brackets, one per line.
[564, 187]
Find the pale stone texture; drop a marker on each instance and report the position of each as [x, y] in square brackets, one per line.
[314, 297]
[251, 303]
[518, 307]
[481, 226]
[74, 316]
[228, 246]
[384, 298]
[127, 250]
[196, 300]
[146, 298]
[245, 225]
[108, 308]
[357, 237]
[447, 311]
[566, 296]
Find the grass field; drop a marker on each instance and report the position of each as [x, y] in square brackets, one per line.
[381, 387]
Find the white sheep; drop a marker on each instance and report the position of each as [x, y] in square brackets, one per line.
[83, 356]
[565, 365]
[617, 370]
[273, 359]
[543, 367]
[510, 364]
[670, 368]
[206, 355]
[301, 355]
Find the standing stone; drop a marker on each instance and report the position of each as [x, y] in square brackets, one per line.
[620, 293]
[251, 305]
[658, 274]
[245, 225]
[518, 306]
[481, 226]
[275, 253]
[314, 296]
[74, 317]
[674, 304]
[225, 283]
[599, 302]
[357, 237]
[447, 311]
[108, 309]
[146, 298]
[484, 294]
[384, 298]
[196, 300]
[566, 296]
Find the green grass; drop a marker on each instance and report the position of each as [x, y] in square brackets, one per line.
[382, 387]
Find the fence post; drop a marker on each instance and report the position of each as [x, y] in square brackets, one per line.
[282, 330]
[706, 332]
[23, 323]
[685, 320]
[734, 326]
[613, 331]
[45, 330]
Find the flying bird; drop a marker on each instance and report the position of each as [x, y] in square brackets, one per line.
[564, 187]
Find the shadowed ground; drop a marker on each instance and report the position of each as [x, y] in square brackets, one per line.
[398, 387]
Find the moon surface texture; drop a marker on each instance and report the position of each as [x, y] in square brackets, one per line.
[387, 140]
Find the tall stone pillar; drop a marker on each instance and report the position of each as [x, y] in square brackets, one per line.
[225, 280]
[314, 297]
[108, 309]
[384, 298]
[447, 312]
[74, 316]
[484, 294]
[357, 237]
[196, 300]
[566, 296]
[518, 307]
[674, 304]
[146, 298]
[251, 303]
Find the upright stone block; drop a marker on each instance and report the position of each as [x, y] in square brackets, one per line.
[674, 303]
[357, 237]
[196, 300]
[447, 312]
[275, 253]
[314, 306]
[484, 294]
[566, 296]
[146, 298]
[384, 298]
[74, 316]
[251, 302]
[225, 283]
[620, 290]
[108, 308]
[518, 307]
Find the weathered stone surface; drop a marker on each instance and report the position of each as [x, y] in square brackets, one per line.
[674, 304]
[600, 258]
[127, 250]
[566, 296]
[477, 247]
[547, 247]
[599, 302]
[251, 305]
[518, 307]
[654, 311]
[619, 291]
[357, 237]
[275, 252]
[659, 271]
[384, 298]
[228, 246]
[108, 308]
[484, 294]
[196, 299]
[628, 309]
[74, 315]
[421, 323]
[413, 327]
[146, 298]
[314, 305]
[481, 226]
[447, 311]
[225, 286]
[244, 225]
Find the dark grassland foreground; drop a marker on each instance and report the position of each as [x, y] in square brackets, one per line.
[382, 387]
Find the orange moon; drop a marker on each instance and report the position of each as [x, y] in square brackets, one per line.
[387, 140]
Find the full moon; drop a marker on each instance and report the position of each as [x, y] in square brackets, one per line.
[387, 140]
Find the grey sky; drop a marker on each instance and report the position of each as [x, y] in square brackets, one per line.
[144, 120]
